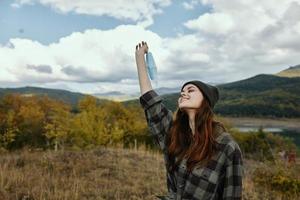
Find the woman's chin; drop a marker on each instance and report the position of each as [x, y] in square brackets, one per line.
[184, 108]
[187, 107]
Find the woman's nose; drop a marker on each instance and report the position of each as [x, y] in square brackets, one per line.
[182, 94]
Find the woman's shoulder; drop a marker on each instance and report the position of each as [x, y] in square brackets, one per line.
[222, 136]
[227, 143]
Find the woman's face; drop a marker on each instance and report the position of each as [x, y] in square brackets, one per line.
[190, 97]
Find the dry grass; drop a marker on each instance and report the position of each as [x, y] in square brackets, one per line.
[97, 174]
[104, 173]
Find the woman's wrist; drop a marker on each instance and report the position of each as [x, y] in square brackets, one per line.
[140, 61]
[139, 55]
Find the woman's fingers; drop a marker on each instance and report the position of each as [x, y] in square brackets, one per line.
[140, 45]
[144, 43]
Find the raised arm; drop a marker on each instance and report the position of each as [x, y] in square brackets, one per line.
[140, 51]
[158, 117]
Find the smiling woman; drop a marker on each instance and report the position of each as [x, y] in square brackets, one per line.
[202, 160]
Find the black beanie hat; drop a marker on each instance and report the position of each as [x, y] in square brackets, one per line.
[210, 92]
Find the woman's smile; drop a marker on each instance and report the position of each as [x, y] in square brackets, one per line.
[184, 99]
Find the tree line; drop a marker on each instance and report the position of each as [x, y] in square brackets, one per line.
[42, 122]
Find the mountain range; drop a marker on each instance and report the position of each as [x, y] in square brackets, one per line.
[63, 95]
[269, 95]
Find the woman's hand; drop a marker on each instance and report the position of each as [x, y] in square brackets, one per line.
[141, 48]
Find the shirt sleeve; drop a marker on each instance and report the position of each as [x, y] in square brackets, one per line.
[234, 175]
[159, 118]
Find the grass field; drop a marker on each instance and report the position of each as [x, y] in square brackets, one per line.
[103, 173]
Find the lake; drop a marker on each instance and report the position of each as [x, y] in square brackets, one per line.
[291, 133]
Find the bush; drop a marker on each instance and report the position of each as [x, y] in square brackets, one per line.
[261, 145]
[278, 181]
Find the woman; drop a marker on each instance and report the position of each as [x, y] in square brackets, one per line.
[202, 160]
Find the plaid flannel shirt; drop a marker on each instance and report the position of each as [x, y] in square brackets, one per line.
[221, 178]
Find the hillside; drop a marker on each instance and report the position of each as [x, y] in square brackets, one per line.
[68, 97]
[293, 71]
[259, 96]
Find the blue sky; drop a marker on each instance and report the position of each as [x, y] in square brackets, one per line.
[41, 23]
[88, 46]
[45, 25]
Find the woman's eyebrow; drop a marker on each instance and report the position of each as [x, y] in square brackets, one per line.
[189, 87]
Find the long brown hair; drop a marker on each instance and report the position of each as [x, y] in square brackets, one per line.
[197, 148]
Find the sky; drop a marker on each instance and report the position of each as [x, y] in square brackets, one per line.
[88, 46]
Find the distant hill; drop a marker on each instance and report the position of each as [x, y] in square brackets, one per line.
[119, 96]
[293, 71]
[115, 96]
[258, 96]
[64, 95]
[261, 95]
[165, 90]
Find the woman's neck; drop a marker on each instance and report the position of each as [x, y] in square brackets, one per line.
[192, 114]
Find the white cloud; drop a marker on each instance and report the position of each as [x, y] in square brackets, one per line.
[93, 57]
[135, 10]
[190, 5]
[96, 57]
[216, 23]
[248, 37]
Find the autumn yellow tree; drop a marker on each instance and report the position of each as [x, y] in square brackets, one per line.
[8, 131]
[136, 128]
[88, 124]
[57, 125]
[30, 118]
